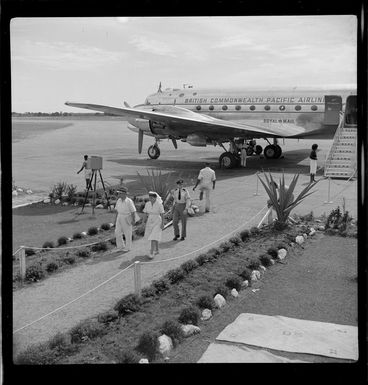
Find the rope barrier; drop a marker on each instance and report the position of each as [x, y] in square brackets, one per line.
[74, 300]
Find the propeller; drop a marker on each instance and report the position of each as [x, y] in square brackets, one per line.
[174, 143]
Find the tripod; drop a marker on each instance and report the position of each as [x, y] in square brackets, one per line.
[94, 175]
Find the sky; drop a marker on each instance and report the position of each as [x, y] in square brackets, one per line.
[111, 60]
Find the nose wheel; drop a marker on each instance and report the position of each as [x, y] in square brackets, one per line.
[153, 151]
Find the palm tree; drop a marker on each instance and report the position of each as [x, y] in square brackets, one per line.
[284, 202]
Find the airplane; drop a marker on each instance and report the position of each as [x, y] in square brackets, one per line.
[202, 117]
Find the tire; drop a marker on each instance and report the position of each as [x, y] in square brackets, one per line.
[227, 160]
[249, 150]
[258, 149]
[153, 152]
[278, 151]
[270, 151]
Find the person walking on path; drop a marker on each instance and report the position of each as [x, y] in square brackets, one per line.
[87, 171]
[154, 209]
[243, 155]
[205, 178]
[124, 220]
[313, 162]
[180, 210]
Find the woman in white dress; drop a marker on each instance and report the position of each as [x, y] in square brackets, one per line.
[154, 209]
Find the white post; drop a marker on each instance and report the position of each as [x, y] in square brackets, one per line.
[256, 193]
[264, 218]
[137, 278]
[329, 188]
[22, 262]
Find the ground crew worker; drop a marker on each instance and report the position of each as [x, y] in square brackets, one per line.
[313, 162]
[124, 220]
[87, 171]
[205, 178]
[180, 210]
[244, 155]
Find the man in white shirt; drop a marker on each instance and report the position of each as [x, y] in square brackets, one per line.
[206, 177]
[181, 204]
[124, 220]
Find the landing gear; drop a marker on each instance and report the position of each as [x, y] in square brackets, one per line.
[258, 149]
[272, 151]
[153, 151]
[228, 160]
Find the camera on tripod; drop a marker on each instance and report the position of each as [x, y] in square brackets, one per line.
[94, 163]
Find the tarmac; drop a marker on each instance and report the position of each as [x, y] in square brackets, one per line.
[64, 299]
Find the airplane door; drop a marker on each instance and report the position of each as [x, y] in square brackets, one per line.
[333, 106]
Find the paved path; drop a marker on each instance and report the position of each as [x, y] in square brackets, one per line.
[234, 207]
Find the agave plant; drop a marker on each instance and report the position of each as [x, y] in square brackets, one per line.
[284, 202]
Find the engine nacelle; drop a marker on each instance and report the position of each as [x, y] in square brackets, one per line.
[142, 124]
[196, 140]
[157, 128]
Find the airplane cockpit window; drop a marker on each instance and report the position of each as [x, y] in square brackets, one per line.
[267, 108]
[314, 108]
[298, 108]
[198, 107]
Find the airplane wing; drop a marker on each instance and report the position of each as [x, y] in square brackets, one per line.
[184, 122]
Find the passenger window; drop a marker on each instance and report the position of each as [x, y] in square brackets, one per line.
[181, 95]
[252, 108]
[298, 108]
[224, 108]
[198, 107]
[237, 107]
[211, 107]
[282, 108]
[314, 108]
[267, 108]
[194, 93]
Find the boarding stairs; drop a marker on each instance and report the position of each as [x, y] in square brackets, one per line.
[341, 161]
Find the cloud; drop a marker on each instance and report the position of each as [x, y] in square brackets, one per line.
[63, 55]
[152, 46]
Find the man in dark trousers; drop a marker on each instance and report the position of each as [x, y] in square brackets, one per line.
[181, 204]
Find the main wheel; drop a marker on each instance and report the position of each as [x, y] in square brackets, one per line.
[258, 149]
[249, 150]
[227, 160]
[153, 152]
[278, 151]
[270, 151]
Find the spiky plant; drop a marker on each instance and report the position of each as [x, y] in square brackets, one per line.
[284, 202]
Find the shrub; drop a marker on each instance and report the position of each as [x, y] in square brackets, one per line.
[83, 253]
[265, 260]
[236, 240]
[51, 267]
[86, 330]
[58, 341]
[246, 274]
[254, 264]
[189, 315]
[148, 344]
[69, 259]
[331, 231]
[108, 316]
[148, 292]
[201, 259]
[190, 265]
[92, 230]
[127, 357]
[233, 282]
[245, 234]
[223, 290]
[173, 330]
[48, 245]
[272, 251]
[77, 236]
[161, 285]
[175, 275]
[225, 246]
[101, 246]
[254, 230]
[36, 355]
[128, 304]
[58, 190]
[62, 241]
[105, 226]
[70, 191]
[34, 273]
[29, 252]
[205, 302]
[113, 241]
[307, 218]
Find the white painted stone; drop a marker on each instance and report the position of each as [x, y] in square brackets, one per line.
[262, 268]
[305, 236]
[143, 361]
[312, 232]
[84, 234]
[29, 191]
[100, 206]
[220, 301]
[299, 239]
[57, 201]
[189, 330]
[245, 283]
[255, 276]
[19, 189]
[234, 293]
[14, 193]
[206, 314]
[281, 254]
[165, 345]
[272, 261]
[111, 224]
[321, 228]
[70, 239]
[47, 200]
[292, 244]
[65, 203]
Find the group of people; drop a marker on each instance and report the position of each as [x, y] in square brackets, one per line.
[126, 213]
